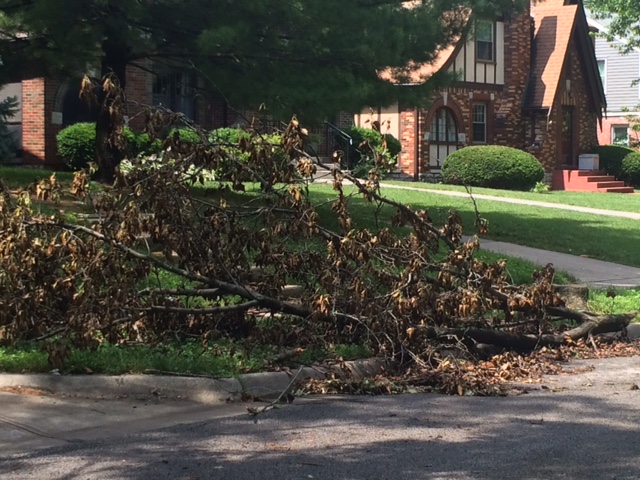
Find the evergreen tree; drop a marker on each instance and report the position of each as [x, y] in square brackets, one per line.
[309, 57]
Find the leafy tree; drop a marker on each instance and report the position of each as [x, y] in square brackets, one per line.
[623, 19]
[312, 58]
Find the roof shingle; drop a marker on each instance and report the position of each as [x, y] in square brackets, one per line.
[554, 24]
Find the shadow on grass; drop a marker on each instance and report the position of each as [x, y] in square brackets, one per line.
[604, 238]
[564, 435]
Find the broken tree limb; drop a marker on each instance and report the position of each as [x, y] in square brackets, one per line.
[226, 287]
[592, 325]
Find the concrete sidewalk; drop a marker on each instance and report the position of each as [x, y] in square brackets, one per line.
[596, 273]
[593, 272]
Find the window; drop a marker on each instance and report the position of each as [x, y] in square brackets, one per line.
[479, 123]
[620, 135]
[602, 69]
[175, 90]
[484, 41]
[443, 127]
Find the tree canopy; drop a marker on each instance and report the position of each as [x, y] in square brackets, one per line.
[310, 58]
[622, 17]
[294, 56]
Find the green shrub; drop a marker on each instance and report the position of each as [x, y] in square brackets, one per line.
[374, 138]
[188, 135]
[230, 137]
[76, 145]
[630, 171]
[142, 144]
[611, 157]
[492, 166]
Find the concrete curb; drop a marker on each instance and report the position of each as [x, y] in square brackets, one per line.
[267, 385]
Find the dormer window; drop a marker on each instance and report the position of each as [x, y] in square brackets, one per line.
[484, 41]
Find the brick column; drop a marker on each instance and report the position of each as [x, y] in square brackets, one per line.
[38, 131]
[33, 120]
[139, 92]
[406, 162]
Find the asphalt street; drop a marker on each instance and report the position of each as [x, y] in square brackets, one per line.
[582, 426]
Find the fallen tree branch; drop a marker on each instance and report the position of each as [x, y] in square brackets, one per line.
[285, 393]
[225, 287]
[592, 326]
[185, 292]
[201, 311]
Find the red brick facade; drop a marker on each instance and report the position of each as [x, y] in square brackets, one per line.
[42, 107]
[510, 122]
[38, 126]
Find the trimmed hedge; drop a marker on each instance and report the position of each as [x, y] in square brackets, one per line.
[611, 157]
[631, 169]
[76, 144]
[492, 166]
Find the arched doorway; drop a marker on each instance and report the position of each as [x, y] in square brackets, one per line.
[75, 110]
[443, 136]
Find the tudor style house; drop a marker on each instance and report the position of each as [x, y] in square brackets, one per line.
[529, 82]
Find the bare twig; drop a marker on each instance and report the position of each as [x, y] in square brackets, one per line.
[257, 411]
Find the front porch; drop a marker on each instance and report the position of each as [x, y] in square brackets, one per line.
[574, 180]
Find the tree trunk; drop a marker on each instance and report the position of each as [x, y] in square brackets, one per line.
[108, 151]
[592, 325]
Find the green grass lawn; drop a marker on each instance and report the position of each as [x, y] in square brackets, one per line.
[623, 301]
[606, 201]
[222, 359]
[605, 238]
[20, 177]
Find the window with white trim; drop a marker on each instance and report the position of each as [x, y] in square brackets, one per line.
[479, 123]
[484, 41]
[620, 135]
[602, 69]
[443, 127]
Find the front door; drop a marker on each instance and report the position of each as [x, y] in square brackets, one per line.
[566, 139]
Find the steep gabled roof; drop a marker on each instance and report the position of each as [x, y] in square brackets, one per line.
[556, 24]
[418, 73]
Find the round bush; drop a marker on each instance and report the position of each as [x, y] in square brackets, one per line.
[360, 134]
[611, 157]
[492, 166]
[76, 145]
[631, 169]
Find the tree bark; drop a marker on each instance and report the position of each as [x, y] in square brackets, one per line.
[592, 325]
[108, 154]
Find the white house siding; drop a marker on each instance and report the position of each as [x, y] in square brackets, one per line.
[621, 71]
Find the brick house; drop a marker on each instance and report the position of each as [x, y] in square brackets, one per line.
[47, 105]
[529, 82]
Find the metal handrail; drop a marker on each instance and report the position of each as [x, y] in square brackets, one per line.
[345, 136]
